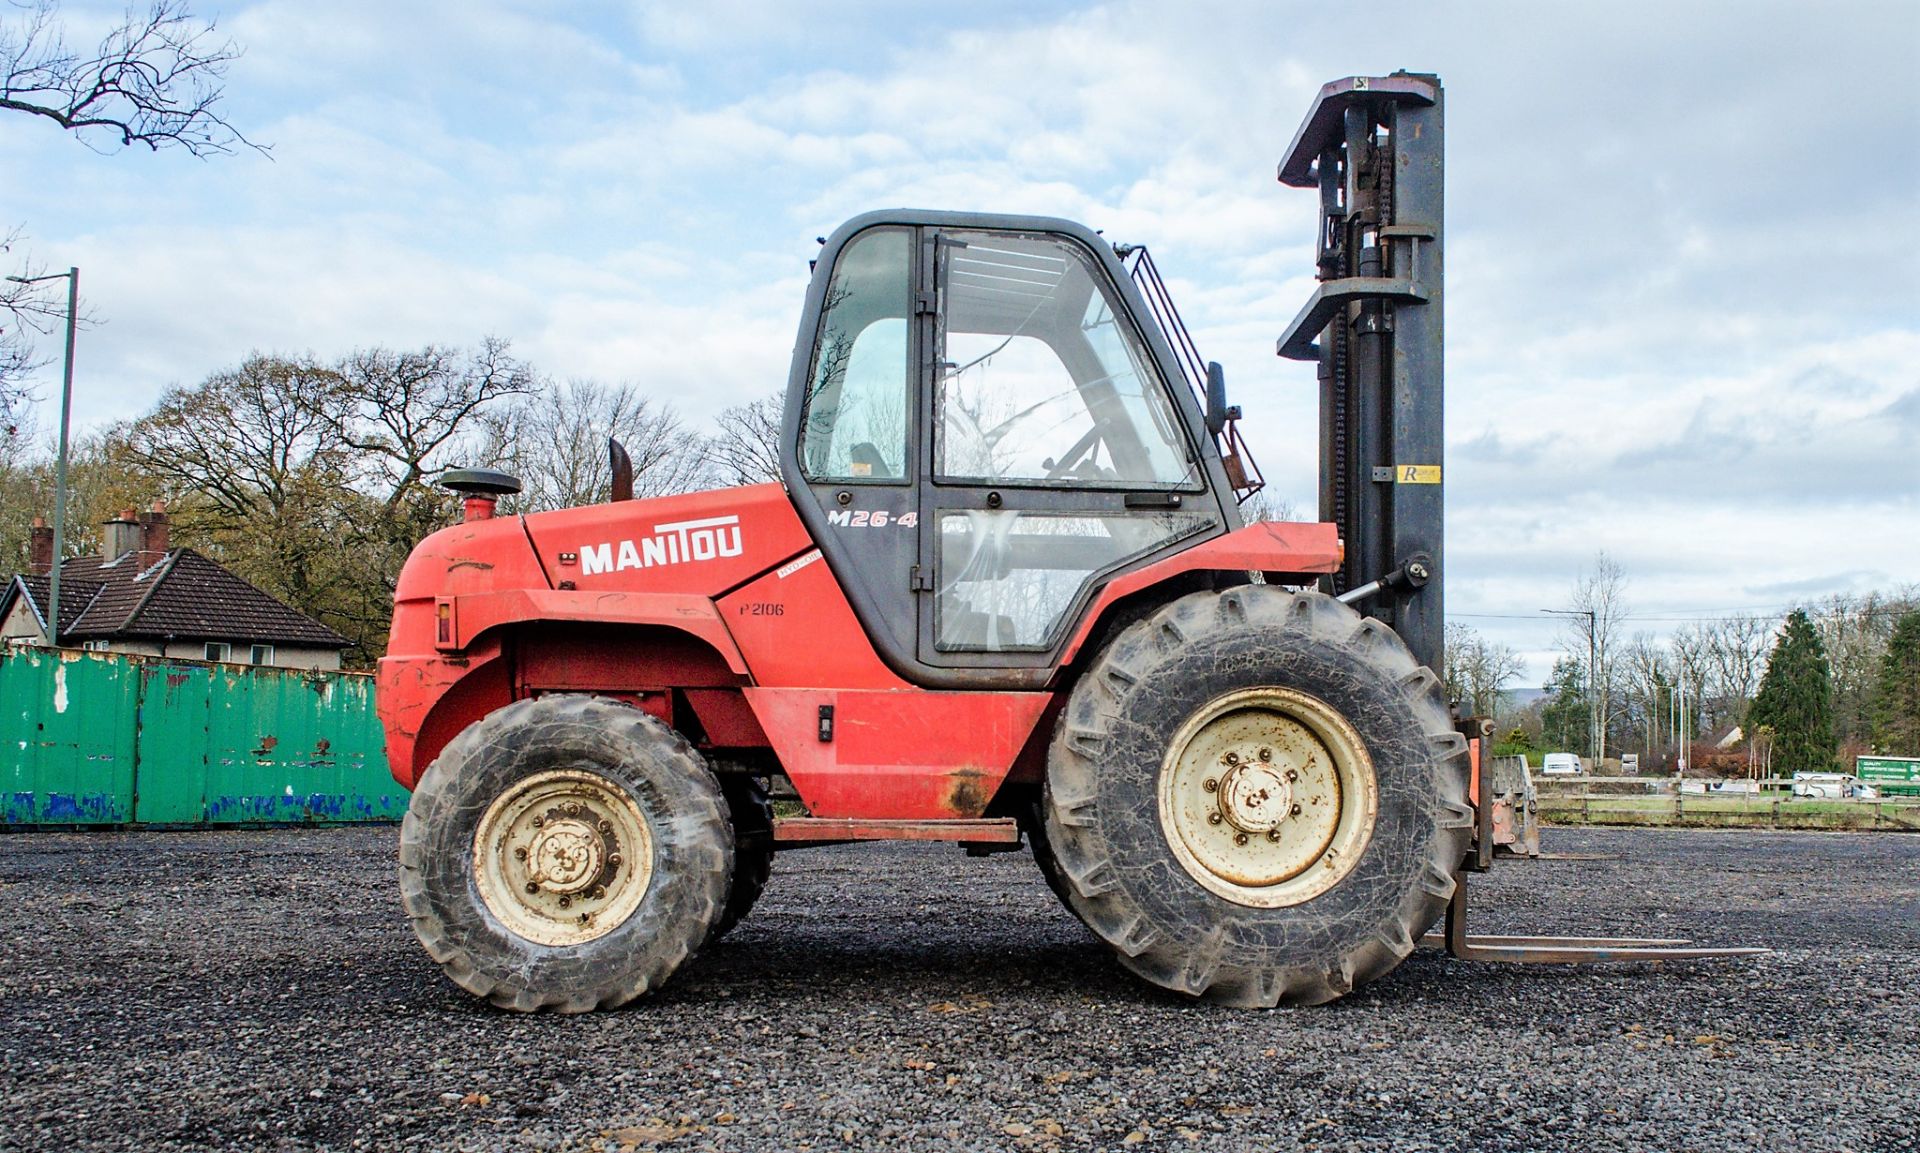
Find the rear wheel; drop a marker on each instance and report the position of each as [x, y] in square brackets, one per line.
[1257, 796]
[565, 852]
[752, 812]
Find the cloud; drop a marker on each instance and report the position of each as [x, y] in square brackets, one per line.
[1683, 250]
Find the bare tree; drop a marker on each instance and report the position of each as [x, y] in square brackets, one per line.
[1645, 688]
[555, 441]
[23, 495]
[1264, 506]
[746, 450]
[255, 474]
[1477, 671]
[102, 479]
[16, 362]
[310, 479]
[1692, 673]
[1854, 631]
[24, 308]
[241, 438]
[1599, 599]
[1734, 655]
[408, 413]
[155, 79]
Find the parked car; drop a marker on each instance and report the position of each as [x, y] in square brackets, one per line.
[1560, 765]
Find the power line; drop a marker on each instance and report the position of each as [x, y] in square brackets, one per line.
[1705, 615]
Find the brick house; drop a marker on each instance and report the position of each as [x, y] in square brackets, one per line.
[140, 596]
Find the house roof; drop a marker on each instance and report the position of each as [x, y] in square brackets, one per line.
[75, 596]
[183, 594]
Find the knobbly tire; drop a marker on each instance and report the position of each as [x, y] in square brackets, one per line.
[1257, 796]
[752, 848]
[1033, 822]
[565, 852]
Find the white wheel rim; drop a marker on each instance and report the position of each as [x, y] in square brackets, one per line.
[1267, 797]
[563, 857]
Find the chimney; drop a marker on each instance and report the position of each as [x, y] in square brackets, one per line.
[40, 548]
[153, 535]
[119, 536]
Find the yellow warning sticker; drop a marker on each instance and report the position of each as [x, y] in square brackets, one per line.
[1416, 473]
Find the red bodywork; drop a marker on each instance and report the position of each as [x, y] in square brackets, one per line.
[715, 612]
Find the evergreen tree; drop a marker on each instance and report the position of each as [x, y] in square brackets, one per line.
[1515, 744]
[1563, 719]
[1896, 696]
[1796, 700]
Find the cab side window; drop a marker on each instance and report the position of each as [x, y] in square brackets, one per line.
[859, 392]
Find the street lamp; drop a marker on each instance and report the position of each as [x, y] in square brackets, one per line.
[72, 277]
[1593, 689]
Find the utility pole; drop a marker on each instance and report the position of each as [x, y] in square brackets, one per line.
[1595, 730]
[72, 277]
[1680, 686]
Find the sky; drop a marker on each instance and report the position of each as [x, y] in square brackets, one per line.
[1683, 318]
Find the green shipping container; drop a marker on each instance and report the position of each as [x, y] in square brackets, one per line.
[106, 738]
[66, 739]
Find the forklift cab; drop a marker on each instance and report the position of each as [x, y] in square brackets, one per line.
[986, 424]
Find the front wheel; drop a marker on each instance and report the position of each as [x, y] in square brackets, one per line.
[1257, 796]
[565, 852]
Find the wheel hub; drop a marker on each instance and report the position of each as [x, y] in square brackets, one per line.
[1255, 798]
[1267, 797]
[567, 856]
[562, 857]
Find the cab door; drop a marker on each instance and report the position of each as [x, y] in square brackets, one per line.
[1055, 451]
[984, 434]
[858, 457]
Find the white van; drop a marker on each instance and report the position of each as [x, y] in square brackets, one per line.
[1560, 765]
[1832, 787]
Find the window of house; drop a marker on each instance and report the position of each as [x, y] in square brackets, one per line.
[261, 655]
[219, 651]
[95, 646]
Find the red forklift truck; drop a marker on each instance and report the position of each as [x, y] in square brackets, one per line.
[1004, 594]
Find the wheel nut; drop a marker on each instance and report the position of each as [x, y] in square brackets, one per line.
[1296, 810]
[606, 827]
[520, 854]
[599, 891]
[539, 821]
[573, 810]
[1273, 835]
[1211, 785]
[1233, 758]
[565, 901]
[1214, 818]
[613, 860]
[1239, 838]
[1293, 774]
[1266, 754]
[533, 886]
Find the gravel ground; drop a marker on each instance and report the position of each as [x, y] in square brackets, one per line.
[261, 990]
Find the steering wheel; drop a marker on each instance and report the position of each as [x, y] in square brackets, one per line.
[1081, 448]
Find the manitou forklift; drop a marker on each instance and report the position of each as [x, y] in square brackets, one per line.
[1004, 594]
